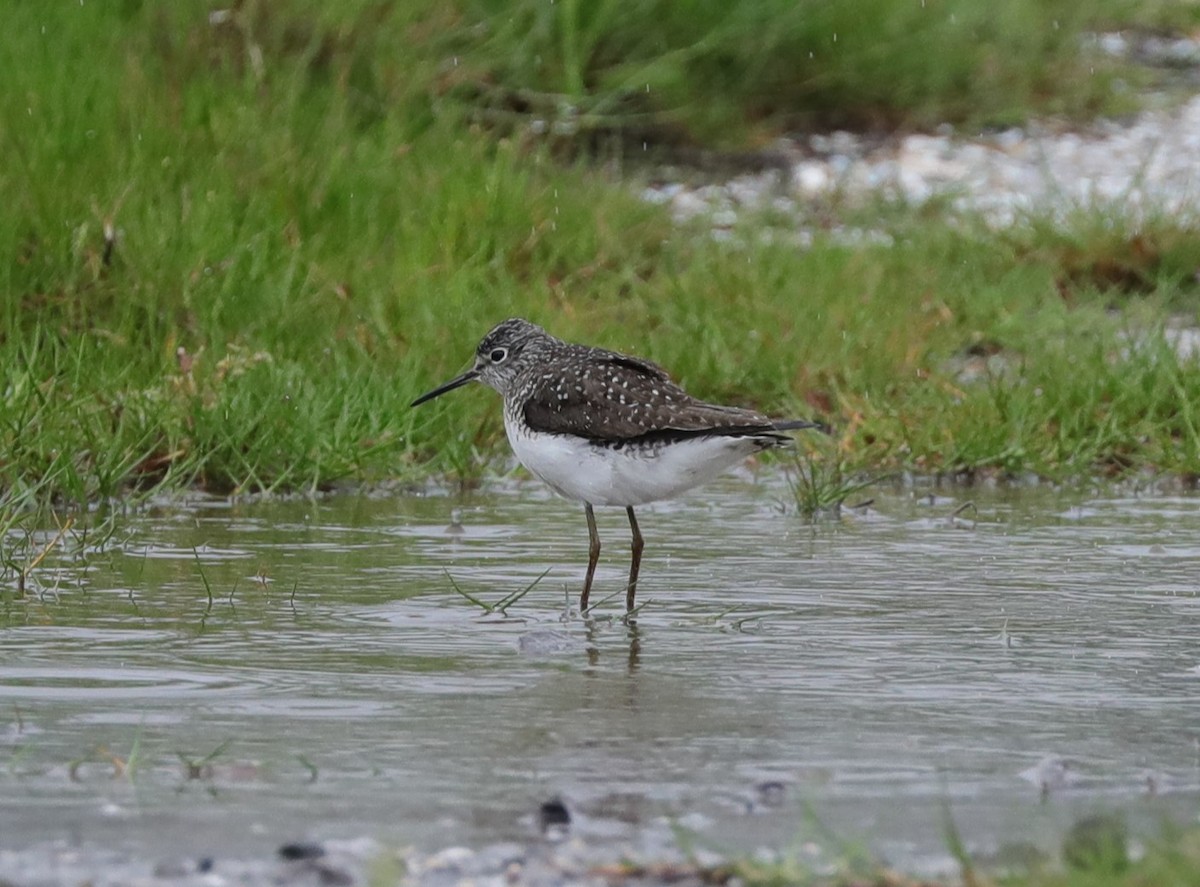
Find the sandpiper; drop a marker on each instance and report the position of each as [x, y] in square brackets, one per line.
[604, 428]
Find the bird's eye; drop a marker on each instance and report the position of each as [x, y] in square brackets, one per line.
[498, 354]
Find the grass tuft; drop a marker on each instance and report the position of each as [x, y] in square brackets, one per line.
[821, 487]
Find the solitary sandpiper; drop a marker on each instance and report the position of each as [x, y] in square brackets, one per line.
[604, 428]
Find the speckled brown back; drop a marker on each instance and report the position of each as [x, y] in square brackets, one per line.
[606, 396]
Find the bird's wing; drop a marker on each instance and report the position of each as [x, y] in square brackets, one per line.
[619, 398]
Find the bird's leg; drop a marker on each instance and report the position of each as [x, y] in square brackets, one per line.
[636, 563]
[593, 555]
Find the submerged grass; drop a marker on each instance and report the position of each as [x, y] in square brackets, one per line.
[239, 241]
[501, 606]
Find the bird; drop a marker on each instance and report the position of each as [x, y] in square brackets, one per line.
[608, 429]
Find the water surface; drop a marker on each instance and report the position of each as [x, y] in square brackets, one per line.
[278, 671]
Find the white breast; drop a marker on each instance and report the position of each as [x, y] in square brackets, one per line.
[579, 470]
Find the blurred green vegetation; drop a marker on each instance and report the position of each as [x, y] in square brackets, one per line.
[731, 71]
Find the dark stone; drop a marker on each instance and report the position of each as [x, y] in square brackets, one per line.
[301, 850]
[554, 813]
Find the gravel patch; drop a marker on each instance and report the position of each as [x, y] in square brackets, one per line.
[569, 862]
[1137, 168]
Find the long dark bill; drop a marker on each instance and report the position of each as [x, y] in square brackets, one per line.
[456, 382]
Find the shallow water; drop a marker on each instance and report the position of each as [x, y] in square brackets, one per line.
[868, 670]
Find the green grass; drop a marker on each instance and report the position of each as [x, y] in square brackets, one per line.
[1094, 853]
[237, 247]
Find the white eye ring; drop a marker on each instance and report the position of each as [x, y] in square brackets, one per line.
[498, 355]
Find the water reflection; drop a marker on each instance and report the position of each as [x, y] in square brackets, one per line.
[319, 660]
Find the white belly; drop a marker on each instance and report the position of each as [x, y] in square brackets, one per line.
[582, 471]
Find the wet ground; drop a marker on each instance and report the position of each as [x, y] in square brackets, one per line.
[216, 680]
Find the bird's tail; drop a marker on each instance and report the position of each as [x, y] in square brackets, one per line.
[800, 424]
